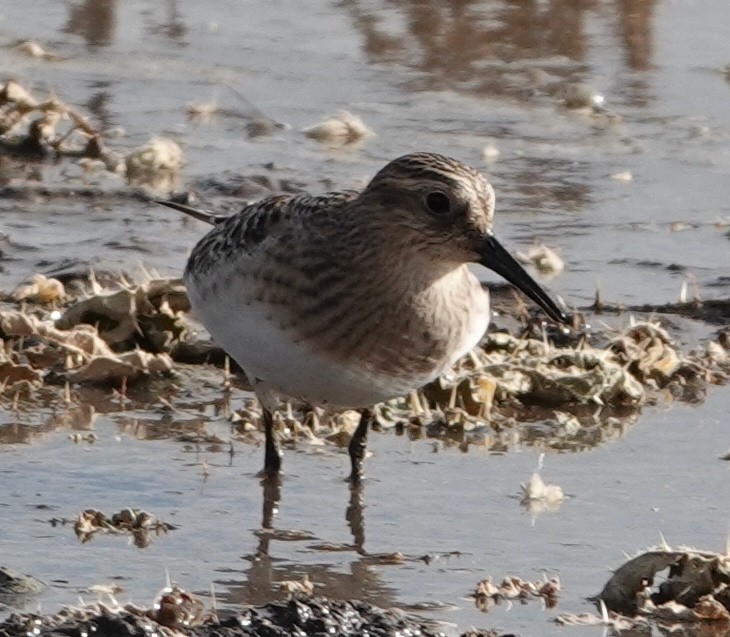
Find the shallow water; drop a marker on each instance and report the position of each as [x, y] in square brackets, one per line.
[450, 78]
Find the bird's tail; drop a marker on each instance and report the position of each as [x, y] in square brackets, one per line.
[196, 213]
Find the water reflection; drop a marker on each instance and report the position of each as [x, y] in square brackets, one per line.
[355, 517]
[638, 40]
[93, 20]
[481, 47]
[173, 25]
[266, 571]
[96, 22]
[580, 429]
[98, 105]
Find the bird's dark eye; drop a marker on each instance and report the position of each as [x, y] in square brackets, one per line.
[438, 203]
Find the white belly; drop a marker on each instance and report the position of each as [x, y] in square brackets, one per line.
[269, 355]
[273, 360]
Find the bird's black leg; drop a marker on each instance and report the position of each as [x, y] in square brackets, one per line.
[358, 445]
[272, 459]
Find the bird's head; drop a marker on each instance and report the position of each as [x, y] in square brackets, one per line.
[444, 210]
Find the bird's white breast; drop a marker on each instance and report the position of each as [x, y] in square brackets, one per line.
[274, 356]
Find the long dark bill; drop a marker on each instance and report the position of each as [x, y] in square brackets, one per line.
[496, 258]
[197, 213]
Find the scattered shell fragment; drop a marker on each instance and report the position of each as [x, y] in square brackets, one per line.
[202, 111]
[157, 154]
[31, 48]
[303, 586]
[340, 130]
[536, 490]
[577, 95]
[544, 259]
[156, 164]
[624, 175]
[105, 589]
[490, 152]
[680, 226]
[36, 50]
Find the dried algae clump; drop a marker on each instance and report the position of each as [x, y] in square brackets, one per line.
[533, 372]
[144, 315]
[692, 593]
[39, 289]
[488, 594]
[650, 354]
[31, 127]
[34, 49]
[579, 392]
[136, 522]
[80, 346]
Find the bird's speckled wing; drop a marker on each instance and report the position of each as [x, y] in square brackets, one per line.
[243, 232]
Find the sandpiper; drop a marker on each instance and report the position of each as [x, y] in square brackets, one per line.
[352, 298]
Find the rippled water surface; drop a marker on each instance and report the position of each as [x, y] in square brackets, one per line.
[451, 77]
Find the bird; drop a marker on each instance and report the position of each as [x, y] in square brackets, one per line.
[348, 299]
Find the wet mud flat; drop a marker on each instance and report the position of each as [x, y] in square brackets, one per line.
[128, 448]
[77, 351]
[84, 346]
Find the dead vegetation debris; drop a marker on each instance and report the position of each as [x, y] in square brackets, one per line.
[140, 524]
[106, 338]
[565, 391]
[682, 591]
[512, 588]
[36, 128]
[636, 361]
[35, 351]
